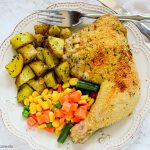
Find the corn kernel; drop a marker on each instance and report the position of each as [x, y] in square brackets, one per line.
[91, 101]
[40, 101]
[51, 116]
[47, 96]
[55, 96]
[84, 97]
[55, 124]
[38, 97]
[30, 99]
[45, 92]
[35, 94]
[49, 103]
[26, 101]
[61, 127]
[42, 126]
[38, 107]
[79, 92]
[45, 105]
[57, 132]
[65, 85]
[32, 108]
[35, 100]
[73, 81]
[68, 90]
[38, 114]
[82, 102]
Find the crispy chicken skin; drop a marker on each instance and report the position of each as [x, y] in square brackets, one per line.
[100, 53]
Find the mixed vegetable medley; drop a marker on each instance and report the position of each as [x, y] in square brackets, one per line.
[53, 100]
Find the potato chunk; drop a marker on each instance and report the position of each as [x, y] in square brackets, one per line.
[15, 66]
[56, 45]
[24, 76]
[65, 33]
[24, 92]
[54, 30]
[38, 85]
[41, 28]
[39, 39]
[50, 79]
[28, 52]
[38, 67]
[50, 60]
[62, 71]
[39, 53]
[21, 39]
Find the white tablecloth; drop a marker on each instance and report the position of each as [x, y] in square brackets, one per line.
[12, 11]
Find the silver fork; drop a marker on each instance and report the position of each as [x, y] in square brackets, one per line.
[65, 18]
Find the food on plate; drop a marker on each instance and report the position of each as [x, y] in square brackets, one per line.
[39, 39]
[56, 46]
[24, 76]
[21, 39]
[62, 71]
[100, 53]
[37, 84]
[24, 92]
[15, 66]
[38, 67]
[41, 29]
[49, 58]
[50, 79]
[28, 52]
[75, 83]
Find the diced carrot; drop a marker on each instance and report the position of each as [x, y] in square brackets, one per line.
[64, 98]
[93, 94]
[66, 106]
[34, 117]
[62, 120]
[41, 119]
[74, 107]
[63, 113]
[46, 117]
[75, 120]
[85, 106]
[69, 116]
[46, 112]
[59, 89]
[74, 97]
[57, 112]
[81, 113]
[31, 122]
[49, 129]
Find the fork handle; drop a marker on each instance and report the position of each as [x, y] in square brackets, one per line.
[122, 17]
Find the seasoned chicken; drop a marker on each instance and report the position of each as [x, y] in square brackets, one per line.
[100, 53]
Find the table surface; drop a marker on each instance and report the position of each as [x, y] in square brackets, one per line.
[11, 12]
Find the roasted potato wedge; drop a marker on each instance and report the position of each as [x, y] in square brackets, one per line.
[50, 60]
[21, 39]
[38, 67]
[24, 92]
[65, 33]
[39, 39]
[62, 71]
[54, 30]
[28, 52]
[39, 54]
[15, 66]
[45, 43]
[56, 45]
[38, 85]
[24, 76]
[49, 79]
[41, 28]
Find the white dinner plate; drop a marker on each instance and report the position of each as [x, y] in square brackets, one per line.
[113, 137]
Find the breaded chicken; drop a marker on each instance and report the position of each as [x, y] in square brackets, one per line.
[100, 53]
